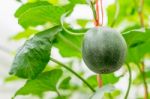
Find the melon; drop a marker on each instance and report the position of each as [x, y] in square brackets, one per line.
[103, 50]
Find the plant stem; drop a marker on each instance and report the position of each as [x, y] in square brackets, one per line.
[69, 69]
[99, 80]
[93, 10]
[58, 93]
[102, 13]
[97, 13]
[140, 12]
[65, 29]
[130, 81]
[144, 80]
[143, 66]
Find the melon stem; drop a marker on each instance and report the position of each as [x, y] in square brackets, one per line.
[99, 80]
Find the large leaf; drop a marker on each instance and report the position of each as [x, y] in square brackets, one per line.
[42, 12]
[34, 55]
[27, 6]
[69, 45]
[107, 79]
[46, 81]
[11, 78]
[138, 42]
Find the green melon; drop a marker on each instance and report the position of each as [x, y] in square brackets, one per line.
[103, 50]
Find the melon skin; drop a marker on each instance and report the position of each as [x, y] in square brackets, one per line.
[103, 50]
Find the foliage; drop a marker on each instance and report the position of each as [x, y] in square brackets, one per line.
[46, 81]
[32, 58]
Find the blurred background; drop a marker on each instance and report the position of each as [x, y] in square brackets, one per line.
[9, 27]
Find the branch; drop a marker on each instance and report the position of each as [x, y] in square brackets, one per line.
[69, 69]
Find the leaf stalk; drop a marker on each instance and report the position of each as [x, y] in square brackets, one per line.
[72, 71]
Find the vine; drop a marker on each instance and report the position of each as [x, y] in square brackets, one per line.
[129, 83]
[66, 67]
[144, 79]
[140, 13]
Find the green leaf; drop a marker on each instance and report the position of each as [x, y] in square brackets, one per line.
[136, 37]
[42, 12]
[54, 2]
[34, 55]
[101, 91]
[92, 81]
[126, 11]
[59, 2]
[46, 81]
[65, 83]
[115, 94]
[138, 44]
[138, 80]
[11, 78]
[25, 34]
[20, 11]
[107, 79]
[71, 44]
[61, 97]
[83, 22]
